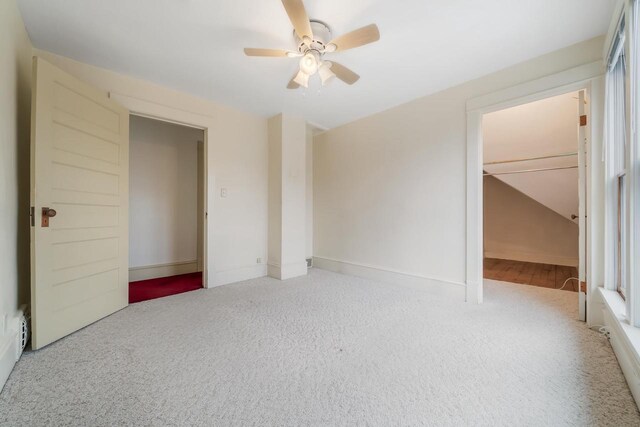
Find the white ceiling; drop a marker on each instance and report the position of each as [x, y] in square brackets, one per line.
[543, 128]
[196, 45]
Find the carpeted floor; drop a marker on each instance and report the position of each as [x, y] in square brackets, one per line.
[327, 349]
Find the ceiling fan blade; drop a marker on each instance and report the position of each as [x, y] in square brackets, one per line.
[298, 17]
[344, 74]
[356, 38]
[268, 52]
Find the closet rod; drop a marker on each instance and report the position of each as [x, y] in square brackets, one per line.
[531, 158]
[531, 170]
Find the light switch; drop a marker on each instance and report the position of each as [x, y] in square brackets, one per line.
[223, 192]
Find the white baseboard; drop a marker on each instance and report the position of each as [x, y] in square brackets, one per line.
[441, 286]
[8, 352]
[287, 271]
[624, 340]
[533, 257]
[240, 274]
[162, 270]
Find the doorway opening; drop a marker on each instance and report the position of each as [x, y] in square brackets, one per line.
[532, 198]
[166, 208]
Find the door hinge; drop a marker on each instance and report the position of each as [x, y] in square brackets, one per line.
[32, 216]
[583, 120]
[583, 287]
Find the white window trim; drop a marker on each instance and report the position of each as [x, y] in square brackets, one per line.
[625, 339]
[633, 170]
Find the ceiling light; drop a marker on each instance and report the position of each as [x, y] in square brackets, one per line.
[326, 75]
[302, 79]
[309, 62]
[330, 48]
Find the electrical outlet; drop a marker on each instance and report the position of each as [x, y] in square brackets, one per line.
[223, 192]
[258, 260]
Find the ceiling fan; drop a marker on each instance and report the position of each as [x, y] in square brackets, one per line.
[313, 41]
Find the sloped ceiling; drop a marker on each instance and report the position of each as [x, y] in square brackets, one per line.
[196, 45]
[543, 128]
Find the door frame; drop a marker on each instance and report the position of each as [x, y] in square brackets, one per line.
[151, 110]
[588, 77]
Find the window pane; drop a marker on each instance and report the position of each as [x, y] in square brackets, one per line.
[621, 247]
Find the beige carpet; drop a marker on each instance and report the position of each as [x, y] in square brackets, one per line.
[327, 349]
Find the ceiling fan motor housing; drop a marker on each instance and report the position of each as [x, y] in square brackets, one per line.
[321, 37]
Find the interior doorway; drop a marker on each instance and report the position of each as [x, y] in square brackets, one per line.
[166, 208]
[531, 193]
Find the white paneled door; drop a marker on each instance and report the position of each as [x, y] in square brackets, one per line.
[79, 199]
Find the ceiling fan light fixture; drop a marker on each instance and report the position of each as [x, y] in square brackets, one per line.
[302, 79]
[313, 39]
[326, 75]
[309, 62]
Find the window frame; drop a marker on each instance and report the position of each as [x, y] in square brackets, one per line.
[633, 168]
[621, 235]
[619, 103]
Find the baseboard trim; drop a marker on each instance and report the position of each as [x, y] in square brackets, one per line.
[8, 353]
[162, 270]
[240, 274]
[287, 271]
[533, 257]
[449, 287]
[621, 341]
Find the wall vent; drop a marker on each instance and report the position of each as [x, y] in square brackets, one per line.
[23, 331]
[309, 262]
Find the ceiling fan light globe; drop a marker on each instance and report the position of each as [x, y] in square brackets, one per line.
[309, 63]
[326, 75]
[302, 79]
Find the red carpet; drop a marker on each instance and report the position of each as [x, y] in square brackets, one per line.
[164, 286]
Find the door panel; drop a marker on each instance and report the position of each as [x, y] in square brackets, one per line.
[80, 168]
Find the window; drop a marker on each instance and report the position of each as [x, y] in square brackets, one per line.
[633, 176]
[616, 117]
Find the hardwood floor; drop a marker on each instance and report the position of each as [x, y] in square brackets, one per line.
[528, 273]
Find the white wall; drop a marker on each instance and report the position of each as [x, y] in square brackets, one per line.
[163, 192]
[287, 196]
[236, 160]
[516, 227]
[390, 189]
[275, 193]
[542, 128]
[309, 192]
[15, 107]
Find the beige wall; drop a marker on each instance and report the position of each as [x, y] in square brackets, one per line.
[275, 192]
[163, 192]
[516, 227]
[309, 193]
[537, 129]
[287, 196]
[15, 107]
[389, 189]
[237, 160]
